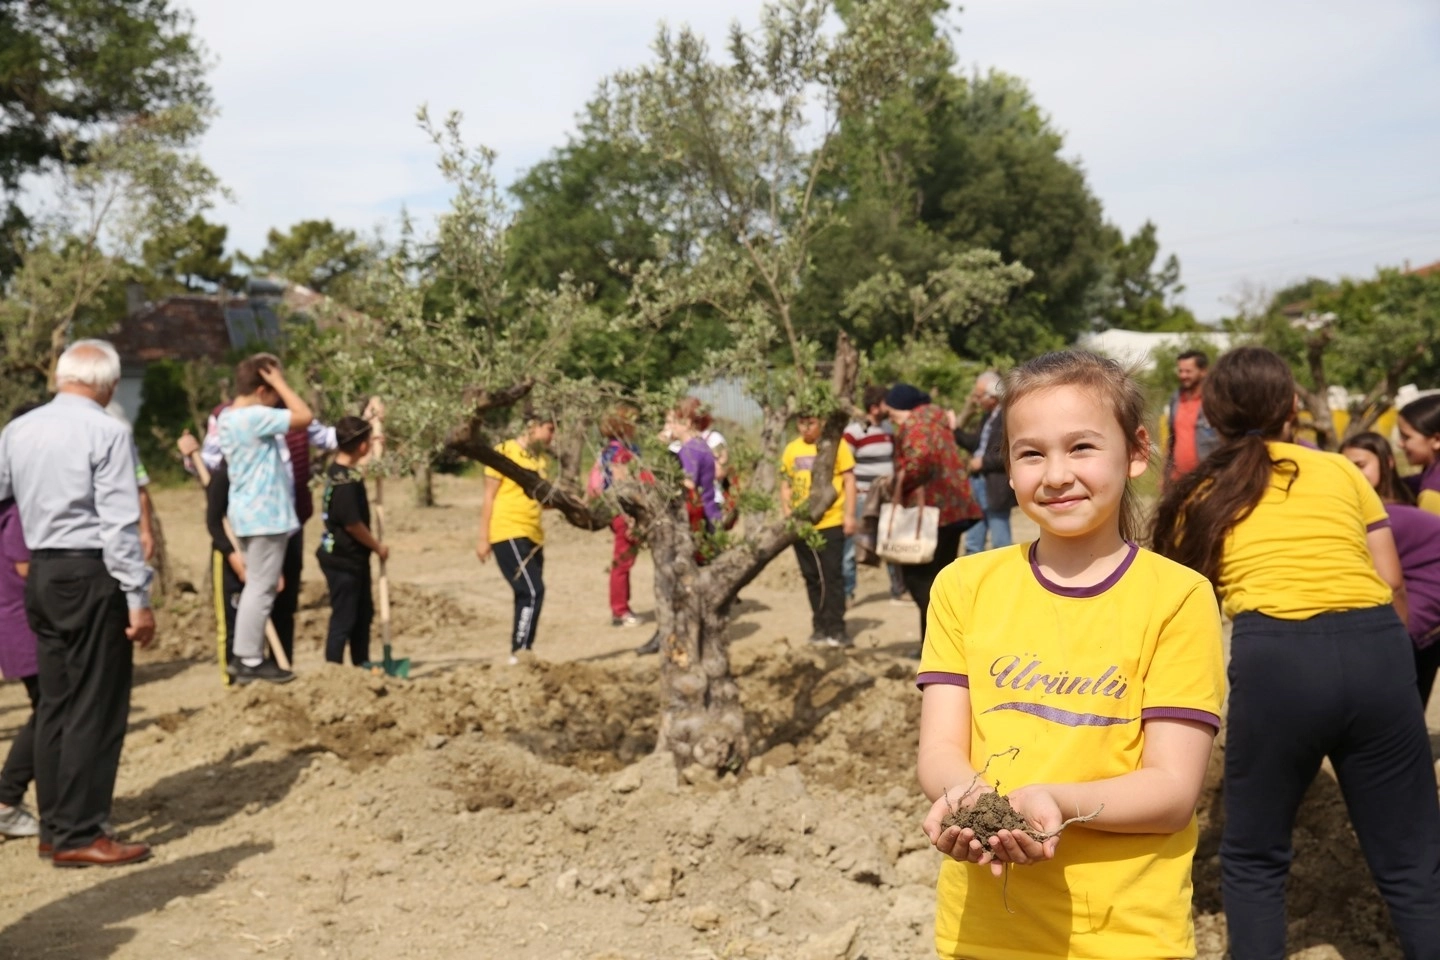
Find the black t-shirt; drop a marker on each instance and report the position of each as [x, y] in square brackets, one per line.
[343, 503]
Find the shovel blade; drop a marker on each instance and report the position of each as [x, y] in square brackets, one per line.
[396, 667]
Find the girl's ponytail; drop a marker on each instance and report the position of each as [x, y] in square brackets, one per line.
[1249, 398]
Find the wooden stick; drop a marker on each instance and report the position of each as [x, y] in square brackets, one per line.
[377, 450]
[271, 636]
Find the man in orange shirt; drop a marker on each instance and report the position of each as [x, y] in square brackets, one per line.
[1191, 436]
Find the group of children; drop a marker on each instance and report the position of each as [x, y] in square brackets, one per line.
[1086, 674]
[256, 467]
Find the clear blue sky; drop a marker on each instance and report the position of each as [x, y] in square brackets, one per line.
[1266, 140]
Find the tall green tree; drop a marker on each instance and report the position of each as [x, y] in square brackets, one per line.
[1368, 337]
[1136, 294]
[140, 180]
[71, 70]
[588, 215]
[189, 254]
[317, 254]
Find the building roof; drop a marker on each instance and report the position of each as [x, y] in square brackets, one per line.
[211, 327]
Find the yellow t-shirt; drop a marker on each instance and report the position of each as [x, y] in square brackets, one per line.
[1069, 675]
[515, 515]
[799, 457]
[1303, 552]
[1429, 501]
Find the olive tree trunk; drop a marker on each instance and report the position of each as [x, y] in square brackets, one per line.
[702, 721]
[424, 485]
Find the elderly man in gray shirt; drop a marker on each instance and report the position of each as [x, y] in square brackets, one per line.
[71, 470]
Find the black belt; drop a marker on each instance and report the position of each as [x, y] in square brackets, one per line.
[66, 555]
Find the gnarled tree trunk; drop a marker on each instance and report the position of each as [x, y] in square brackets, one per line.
[701, 720]
[424, 485]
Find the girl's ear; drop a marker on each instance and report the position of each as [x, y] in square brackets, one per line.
[1139, 453]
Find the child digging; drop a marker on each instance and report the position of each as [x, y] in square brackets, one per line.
[345, 548]
[1083, 674]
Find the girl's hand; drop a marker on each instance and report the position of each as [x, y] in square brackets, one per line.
[1037, 805]
[954, 842]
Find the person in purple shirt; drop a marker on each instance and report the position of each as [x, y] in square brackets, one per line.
[17, 662]
[1417, 539]
[684, 424]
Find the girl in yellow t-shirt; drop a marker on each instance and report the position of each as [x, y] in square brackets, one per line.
[1300, 550]
[1084, 674]
[510, 530]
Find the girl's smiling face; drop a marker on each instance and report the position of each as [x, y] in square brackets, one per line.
[1419, 449]
[1070, 461]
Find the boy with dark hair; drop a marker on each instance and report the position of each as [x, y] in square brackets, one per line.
[346, 546]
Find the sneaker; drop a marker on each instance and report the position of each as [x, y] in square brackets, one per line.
[268, 670]
[514, 660]
[649, 646]
[903, 600]
[629, 620]
[16, 821]
[819, 640]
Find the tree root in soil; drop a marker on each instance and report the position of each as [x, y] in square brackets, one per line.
[992, 812]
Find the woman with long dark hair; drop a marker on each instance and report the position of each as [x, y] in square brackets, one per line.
[1300, 551]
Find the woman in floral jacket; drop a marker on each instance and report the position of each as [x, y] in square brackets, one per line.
[929, 461]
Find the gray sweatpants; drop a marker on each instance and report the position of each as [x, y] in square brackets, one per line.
[264, 560]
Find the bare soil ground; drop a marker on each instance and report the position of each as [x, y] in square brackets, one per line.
[487, 811]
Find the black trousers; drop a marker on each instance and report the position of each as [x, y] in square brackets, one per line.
[19, 767]
[1427, 662]
[919, 577]
[287, 601]
[352, 609]
[86, 664]
[523, 564]
[1340, 685]
[227, 602]
[824, 573]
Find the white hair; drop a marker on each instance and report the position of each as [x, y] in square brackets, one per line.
[989, 383]
[93, 363]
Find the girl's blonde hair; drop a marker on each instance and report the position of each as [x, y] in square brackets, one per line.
[1109, 382]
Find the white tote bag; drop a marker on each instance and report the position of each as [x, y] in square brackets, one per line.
[908, 535]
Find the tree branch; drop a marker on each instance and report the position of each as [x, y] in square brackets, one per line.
[469, 441]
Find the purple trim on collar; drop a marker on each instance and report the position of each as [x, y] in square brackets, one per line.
[1378, 525]
[1081, 593]
[1180, 713]
[936, 676]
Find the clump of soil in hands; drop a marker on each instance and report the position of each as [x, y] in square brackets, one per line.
[990, 814]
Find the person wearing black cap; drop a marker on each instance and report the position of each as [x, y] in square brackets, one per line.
[929, 468]
[346, 545]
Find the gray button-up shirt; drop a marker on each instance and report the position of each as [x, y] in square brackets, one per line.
[71, 469]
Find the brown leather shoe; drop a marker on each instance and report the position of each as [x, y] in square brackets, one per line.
[104, 852]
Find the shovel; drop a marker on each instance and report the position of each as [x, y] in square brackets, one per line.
[393, 667]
